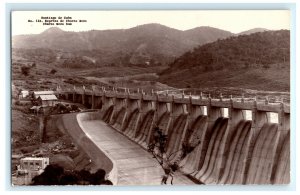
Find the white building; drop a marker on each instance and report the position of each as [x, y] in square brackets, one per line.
[46, 100]
[32, 166]
[37, 94]
[24, 94]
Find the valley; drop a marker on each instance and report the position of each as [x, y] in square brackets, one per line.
[149, 58]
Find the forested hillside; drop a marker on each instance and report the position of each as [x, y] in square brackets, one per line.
[259, 56]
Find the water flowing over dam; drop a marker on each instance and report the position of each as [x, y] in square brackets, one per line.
[229, 147]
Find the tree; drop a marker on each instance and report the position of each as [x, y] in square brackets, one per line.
[98, 177]
[25, 70]
[69, 178]
[56, 175]
[266, 66]
[53, 71]
[169, 162]
[50, 176]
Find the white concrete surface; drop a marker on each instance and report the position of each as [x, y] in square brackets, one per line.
[135, 165]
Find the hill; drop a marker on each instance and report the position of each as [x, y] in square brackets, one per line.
[251, 31]
[149, 44]
[257, 61]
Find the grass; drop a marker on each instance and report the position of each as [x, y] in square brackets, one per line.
[257, 79]
[25, 130]
[117, 71]
[146, 77]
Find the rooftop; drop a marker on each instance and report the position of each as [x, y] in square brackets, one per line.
[48, 97]
[34, 158]
[43, 92]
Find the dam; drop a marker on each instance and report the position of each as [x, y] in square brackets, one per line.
[229, 146]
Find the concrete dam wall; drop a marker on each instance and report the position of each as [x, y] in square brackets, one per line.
[235, 141]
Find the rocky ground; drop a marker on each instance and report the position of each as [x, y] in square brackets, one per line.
[26, 140]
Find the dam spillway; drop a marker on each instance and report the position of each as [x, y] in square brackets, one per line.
[228, 149]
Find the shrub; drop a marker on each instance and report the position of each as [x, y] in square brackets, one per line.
[25, 70]
[53, 71]
[266, 66]
[56, 175]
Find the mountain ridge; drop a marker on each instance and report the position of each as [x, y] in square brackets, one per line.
[251, 31]
[160, 43]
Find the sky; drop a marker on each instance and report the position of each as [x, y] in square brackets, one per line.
[234, 21]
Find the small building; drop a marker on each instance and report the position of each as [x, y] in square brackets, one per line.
[34, 163]
[46, 100]
[37, 94]
[24, 94]
[31, 167]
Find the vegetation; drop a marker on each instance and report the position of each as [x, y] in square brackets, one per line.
[77, 62]
[169, 162]
[25, 70]
[149, 43]
[36, 54]
[244, 51]
[244, 61]
[53, 71]
[25, 128]
[56, 175]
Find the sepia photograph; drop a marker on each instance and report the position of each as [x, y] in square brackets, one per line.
[150, 97]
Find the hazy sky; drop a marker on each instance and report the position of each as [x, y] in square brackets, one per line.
[230, 20]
